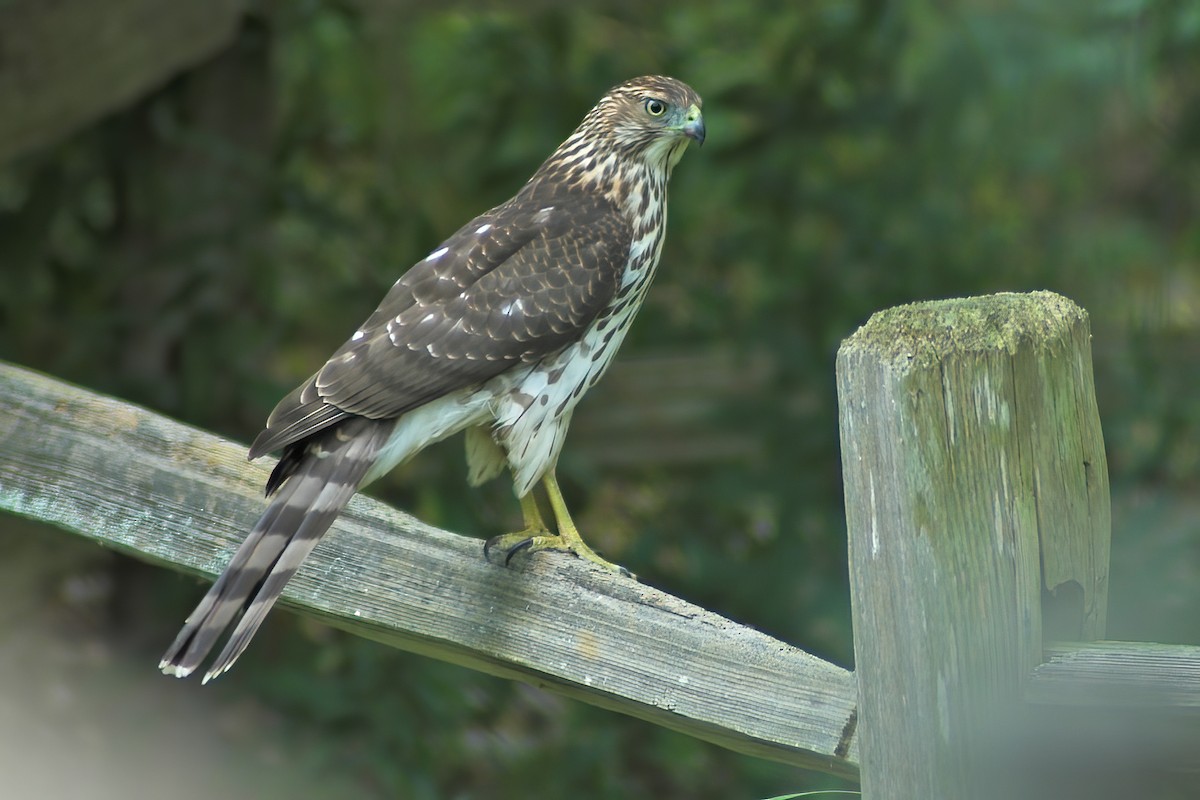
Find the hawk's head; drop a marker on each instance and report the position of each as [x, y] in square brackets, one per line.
[650, 119]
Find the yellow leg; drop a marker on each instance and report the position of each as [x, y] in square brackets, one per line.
[536, 536]
[532, 515]
[567, 531]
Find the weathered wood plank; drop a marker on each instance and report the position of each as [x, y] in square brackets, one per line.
[178, 496]
[1120, 675]
[971, 451]
[1111, 720]
[67, 63]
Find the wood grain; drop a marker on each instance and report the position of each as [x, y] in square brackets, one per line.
[1123, 715]
[1118, 675]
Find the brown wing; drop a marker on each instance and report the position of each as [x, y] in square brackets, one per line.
[513, 285]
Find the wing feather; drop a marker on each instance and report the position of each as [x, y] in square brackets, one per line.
[514, 285]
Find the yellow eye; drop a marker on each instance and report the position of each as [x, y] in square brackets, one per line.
[655, 108]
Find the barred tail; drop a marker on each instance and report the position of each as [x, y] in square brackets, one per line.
[323, 474]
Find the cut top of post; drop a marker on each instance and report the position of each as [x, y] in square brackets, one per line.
[919, 335]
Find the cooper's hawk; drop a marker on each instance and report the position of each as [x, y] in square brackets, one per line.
[497, 332]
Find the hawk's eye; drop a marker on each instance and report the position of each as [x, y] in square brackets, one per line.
[655, 108]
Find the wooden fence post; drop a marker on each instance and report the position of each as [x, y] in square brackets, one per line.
[975, 481]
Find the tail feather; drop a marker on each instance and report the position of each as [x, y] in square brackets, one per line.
[330, 469]
[214, 613]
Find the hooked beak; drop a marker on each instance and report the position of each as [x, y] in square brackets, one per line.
[693, 126]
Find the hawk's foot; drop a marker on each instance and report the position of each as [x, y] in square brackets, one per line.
[534, 541]
[537, 536]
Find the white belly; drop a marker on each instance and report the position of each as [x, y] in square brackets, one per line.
[532, 419]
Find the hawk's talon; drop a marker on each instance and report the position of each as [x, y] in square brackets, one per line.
[513, 543]
[516, 548]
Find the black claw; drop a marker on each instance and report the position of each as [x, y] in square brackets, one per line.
[522, 545]
[487, 548]
[508, 552]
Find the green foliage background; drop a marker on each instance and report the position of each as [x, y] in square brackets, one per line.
[203, 250]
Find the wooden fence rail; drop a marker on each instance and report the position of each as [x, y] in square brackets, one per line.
[174, 495]
[977, 511]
